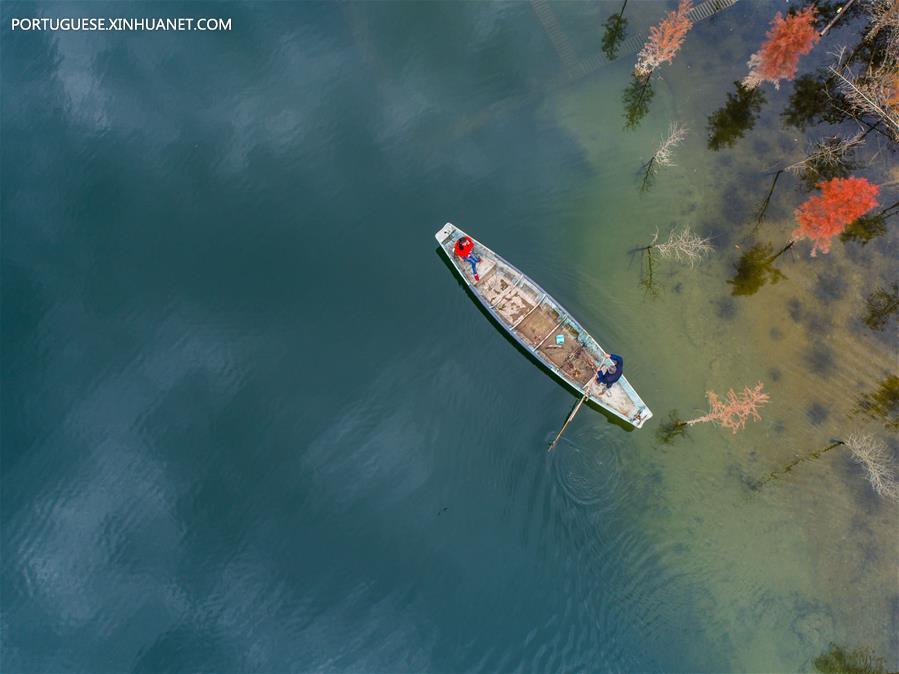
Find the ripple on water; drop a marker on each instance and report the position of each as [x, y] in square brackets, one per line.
[589, 475]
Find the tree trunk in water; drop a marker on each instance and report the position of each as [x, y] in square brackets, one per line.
[870, 129]
[643, 90]
[647, 282]
[786, 469]
[780, 252]
[836, 18]
[767, 199]
[886, 211]
[647, 175]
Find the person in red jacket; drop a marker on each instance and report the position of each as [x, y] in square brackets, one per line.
[464, 248]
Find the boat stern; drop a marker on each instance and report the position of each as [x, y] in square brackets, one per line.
[644, 415]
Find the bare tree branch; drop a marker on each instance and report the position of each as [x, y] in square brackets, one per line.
[676, 133]
[871, 93]
[874, 457]
[684, 245]
[826, 152]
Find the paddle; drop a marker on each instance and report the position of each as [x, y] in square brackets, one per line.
[586, 395]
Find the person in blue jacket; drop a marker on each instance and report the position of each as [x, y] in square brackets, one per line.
[610, 373]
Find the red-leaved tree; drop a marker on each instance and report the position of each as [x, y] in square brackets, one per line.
[788, 39]
[665, 39]
[825, 215]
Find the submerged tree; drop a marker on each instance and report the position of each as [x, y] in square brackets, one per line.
[735, 411]
[647, 282]
[662, 156]
[820, 218]
[827, 214]
[731, 413]
[884, 17]
[880, 306]
[867, 79]
[858, 85]
[830, 12]
[866, 450]
[780, 472]
[665, 39]
[764, 207]
[874, 458]
[637, 97]
[873, 93]
[671, 429]
[815, 99]
[682, 245]
[826, 158]
[867, 227]
[615, 30]
[755, 268]
[839, 660]
[788, 39]
[738, 115]
[864, 229]
[883, 403]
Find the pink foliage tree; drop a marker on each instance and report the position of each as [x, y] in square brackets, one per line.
[665, 39]
[788, 39]
[733, 412]
[827, 214]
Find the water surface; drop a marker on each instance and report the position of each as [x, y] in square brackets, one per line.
[251, 422]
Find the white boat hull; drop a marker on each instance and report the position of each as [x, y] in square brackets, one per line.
[542, 327]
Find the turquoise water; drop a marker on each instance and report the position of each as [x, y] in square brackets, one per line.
[251, 421]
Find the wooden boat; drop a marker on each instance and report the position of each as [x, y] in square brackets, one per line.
[542, 326]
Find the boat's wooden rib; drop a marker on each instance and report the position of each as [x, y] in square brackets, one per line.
[536, 306]
[508, 291]
[574, 354]
[548, 334]
[524, 309]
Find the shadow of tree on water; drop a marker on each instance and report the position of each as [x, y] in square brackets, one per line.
[840, 660]
[614, 33]
[880, 306]
[737, 116]
[755, 268]
[636, 100]
[881, 404]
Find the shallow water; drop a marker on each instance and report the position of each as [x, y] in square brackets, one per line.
[251, 422]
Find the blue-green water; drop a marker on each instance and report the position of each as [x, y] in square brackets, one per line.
[251, 422]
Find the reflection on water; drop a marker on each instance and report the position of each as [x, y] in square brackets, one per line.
[249, 422]
[614, 32]
[736, 117]
[756, 267]
[801, 336]
[636, 98]
[840, 659]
